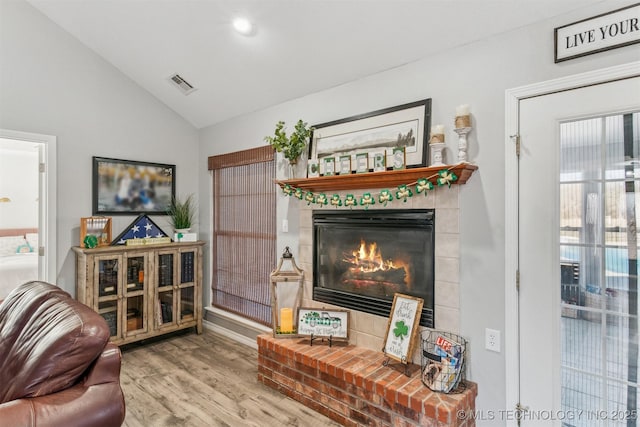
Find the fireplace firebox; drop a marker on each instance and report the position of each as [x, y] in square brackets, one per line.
[362, 258]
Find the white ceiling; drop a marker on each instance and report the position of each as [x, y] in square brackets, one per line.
[300, 46]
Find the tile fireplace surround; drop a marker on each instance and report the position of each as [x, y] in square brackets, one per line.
[367, 330]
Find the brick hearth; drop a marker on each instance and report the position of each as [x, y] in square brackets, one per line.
[350, 385]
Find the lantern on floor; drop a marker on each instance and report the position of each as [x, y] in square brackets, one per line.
[286, 296]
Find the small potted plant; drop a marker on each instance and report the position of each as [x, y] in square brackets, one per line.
[290, 146]
[182, 213]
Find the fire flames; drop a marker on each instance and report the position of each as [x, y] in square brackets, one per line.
[368, 259]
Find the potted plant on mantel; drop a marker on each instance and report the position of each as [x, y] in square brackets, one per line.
[181, 216]
[293, 146]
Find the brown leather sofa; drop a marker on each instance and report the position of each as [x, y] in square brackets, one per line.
[57, 367]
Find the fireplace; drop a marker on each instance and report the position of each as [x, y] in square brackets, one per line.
[361, 258]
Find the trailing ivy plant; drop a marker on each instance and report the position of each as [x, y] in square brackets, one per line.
[293, 146]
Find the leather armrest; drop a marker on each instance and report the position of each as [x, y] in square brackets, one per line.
[96, 406]
[95, 402]
[106, 368]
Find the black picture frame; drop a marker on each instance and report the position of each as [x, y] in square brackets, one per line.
[130, 187]
[376, 131]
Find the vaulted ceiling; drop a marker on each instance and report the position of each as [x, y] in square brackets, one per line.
[298, 47]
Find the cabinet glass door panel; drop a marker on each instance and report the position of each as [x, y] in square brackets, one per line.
[165, 307]
[187, 267]
[108, 277]
[187, 303]
[135, 273]
[165, 270]
[109, 310]
[135, 313]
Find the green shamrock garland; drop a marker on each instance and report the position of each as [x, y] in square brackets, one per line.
[402, 192]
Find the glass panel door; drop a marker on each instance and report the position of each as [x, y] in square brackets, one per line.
[577, 256]
[187, 289]
[599, 187]
[107, 275]
[135, 290]
[166, 283]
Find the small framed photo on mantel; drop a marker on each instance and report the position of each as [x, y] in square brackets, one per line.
[345, 165]
[329, 164]
[398, 156]
[379, 162]
[362, 162]
[322, 323]
[313, 168]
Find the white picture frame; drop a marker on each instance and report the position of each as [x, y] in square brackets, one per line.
[362, 162]
[379, 162]
[323, 323]
[329, 168]
[313, 168]
[398, 157]
[345, 165]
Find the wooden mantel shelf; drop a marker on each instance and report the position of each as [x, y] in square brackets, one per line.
[378, 179]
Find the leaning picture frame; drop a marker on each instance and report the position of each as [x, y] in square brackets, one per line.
[323, 323]
[404, 125]
[128, 187]
[402, 328]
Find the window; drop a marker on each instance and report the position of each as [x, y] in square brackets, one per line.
[244, 232]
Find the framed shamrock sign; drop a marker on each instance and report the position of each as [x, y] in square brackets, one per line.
[402, 327]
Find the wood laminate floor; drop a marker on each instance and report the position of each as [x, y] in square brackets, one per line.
[203, 380]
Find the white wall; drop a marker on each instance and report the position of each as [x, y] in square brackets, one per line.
[52, 84]
[477, 74]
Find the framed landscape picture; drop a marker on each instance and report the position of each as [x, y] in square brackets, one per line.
[126, 187]
[406, 126]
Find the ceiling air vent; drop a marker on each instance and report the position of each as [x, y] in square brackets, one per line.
[181, 84]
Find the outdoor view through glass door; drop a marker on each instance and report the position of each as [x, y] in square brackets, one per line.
[599, 187]
[579, 181]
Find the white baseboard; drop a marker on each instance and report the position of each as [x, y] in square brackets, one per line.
[242, 339]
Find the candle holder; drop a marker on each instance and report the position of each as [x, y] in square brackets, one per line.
[462, 128]
[462, 143]
[436, 153]
[286, 296]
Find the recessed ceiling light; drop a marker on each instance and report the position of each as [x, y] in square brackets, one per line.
[243, 26]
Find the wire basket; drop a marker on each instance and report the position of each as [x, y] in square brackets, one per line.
[443, 361]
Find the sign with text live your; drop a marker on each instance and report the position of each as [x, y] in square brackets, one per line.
[603, 32]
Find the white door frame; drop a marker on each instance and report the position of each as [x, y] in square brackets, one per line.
[47, 199]
[512, 128]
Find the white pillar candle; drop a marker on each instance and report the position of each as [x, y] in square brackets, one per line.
[437, 130]
[462, 110]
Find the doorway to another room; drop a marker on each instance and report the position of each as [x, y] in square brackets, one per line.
[27, 209]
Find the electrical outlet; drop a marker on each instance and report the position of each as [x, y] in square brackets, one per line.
[492, 340]
[285, 225]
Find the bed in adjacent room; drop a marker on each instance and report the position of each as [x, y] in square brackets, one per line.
[18, 258]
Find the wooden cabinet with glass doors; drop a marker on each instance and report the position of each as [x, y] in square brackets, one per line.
[142, 291]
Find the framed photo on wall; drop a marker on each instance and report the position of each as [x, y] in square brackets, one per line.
[126, 187]
[383, 130]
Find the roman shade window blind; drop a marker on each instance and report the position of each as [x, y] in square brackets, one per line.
[244, 232]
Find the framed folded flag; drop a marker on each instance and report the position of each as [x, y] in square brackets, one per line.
[141, 228]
